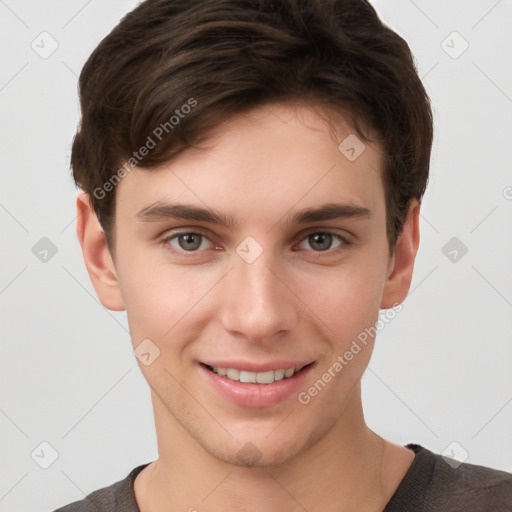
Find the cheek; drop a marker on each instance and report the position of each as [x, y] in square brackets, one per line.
[346, 299]
[160, 298]
[348, 304]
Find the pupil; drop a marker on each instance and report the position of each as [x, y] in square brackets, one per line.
[188, 240]
[322, 240]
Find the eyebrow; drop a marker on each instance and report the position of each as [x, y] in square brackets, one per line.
[165, 211]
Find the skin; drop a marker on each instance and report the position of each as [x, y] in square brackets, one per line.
[294, 301]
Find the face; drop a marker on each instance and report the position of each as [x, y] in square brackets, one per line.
[276, 258]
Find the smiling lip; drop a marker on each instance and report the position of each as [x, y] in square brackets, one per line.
[256, 395]
[258, 367]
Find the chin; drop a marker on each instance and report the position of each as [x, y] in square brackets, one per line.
[260, 453]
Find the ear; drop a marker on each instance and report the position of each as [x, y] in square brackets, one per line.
[401, 263]
[97, 258]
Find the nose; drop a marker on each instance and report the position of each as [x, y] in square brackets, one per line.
[259, 302]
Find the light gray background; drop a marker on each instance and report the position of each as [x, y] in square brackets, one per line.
[440, 372]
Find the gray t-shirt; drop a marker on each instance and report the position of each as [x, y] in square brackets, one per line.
[430, 485]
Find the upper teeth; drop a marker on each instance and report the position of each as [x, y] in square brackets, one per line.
[256, 377]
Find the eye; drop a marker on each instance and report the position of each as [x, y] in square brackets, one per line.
[194, 242]
[187, 241]
[322, 241]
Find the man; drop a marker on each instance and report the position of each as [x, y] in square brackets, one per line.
[252, 175]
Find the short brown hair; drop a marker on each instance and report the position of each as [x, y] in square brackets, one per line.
[218, 58]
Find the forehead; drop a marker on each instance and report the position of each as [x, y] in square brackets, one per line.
[262, 163]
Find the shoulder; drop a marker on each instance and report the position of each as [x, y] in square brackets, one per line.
[435, 482]
[472, 486]
[116, 497]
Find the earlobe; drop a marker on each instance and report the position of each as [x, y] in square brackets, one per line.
[401, 264]
[97, 258]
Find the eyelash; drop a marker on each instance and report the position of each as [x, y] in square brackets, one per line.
[192, 254]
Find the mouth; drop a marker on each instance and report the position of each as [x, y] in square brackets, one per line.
[255, 385]
[262, 377]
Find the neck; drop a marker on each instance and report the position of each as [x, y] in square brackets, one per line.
[350, 467]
